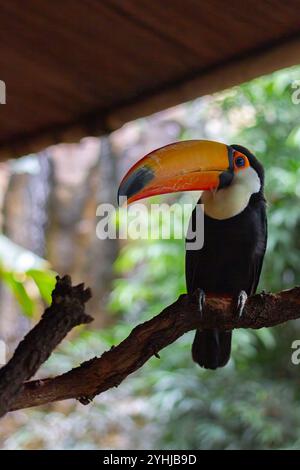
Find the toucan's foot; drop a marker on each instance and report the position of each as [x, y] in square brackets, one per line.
[241, 301]
[201, 301]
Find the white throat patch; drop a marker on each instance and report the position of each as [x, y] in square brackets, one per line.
[230, 201]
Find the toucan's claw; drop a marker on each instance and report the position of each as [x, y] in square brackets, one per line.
[201, 301]
[241, 301]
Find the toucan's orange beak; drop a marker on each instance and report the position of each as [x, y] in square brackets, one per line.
[183, 166]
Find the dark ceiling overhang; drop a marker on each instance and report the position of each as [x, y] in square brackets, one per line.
[77, 68]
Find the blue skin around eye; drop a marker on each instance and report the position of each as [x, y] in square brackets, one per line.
[240, 161]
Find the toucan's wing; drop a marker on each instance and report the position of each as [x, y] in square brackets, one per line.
[261, 249]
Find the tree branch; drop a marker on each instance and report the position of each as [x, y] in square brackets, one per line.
[65, 312]
[100, 374]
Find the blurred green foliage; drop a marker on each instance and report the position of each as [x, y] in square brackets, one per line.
[21, 271]
[273, 133]
[253, 402]
[171, 403]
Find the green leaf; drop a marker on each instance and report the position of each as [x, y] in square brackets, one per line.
[45, 282]
[19, 291]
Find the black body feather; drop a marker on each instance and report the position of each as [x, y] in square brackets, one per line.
[230, 261]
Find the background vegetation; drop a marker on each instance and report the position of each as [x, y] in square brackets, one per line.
[171, 403]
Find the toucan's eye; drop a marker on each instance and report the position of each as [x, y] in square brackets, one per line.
[240, 162]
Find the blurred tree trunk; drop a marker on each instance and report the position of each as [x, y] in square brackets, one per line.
[24, 210]
[103, 253]
[84, 176]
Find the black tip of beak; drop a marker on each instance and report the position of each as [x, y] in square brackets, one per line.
[135, 182]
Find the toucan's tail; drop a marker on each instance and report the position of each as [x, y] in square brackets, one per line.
[211, 348]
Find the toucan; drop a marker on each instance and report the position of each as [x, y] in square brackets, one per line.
[235, 224]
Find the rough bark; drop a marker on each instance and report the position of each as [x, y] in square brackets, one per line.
[65, 312]
[100, 374]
